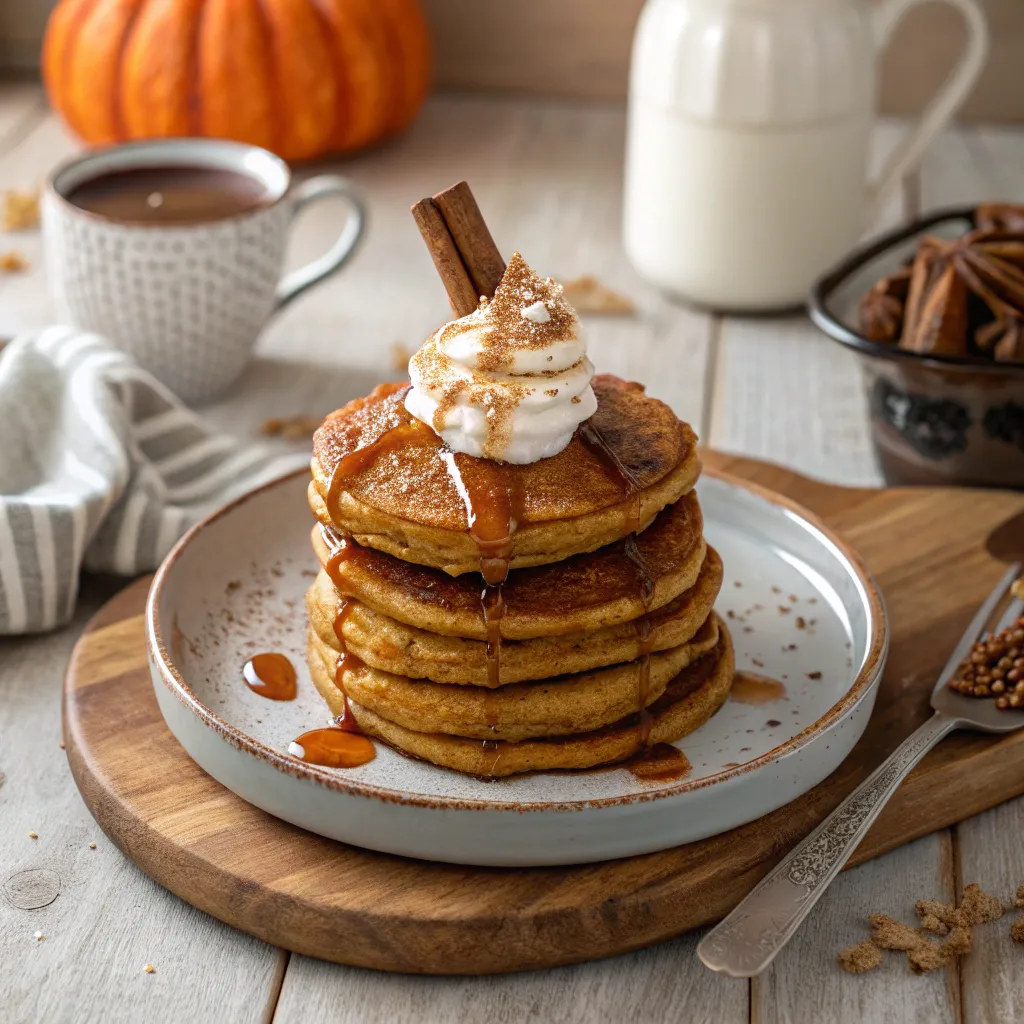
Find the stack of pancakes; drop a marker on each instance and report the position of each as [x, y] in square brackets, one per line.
[600, 642]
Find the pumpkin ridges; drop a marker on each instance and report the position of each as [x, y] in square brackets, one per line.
[154, 74]
[302, 77]
[307, 91]
[236, 80]
[61, 33]
[412, 37]
[93, 66]
[362, 89]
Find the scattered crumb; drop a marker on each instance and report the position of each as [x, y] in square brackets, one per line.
[39, 936]
[149, 969]
[92, 846]
[976, 907]
[399, 357]
[588, 295]
[929, 956]
[801, 622]
[813, 675]
[730, 614]
[33, 835]
[932, 924]
[737, 583]
[1017, 930]
[865, 956]
[748, 629]
[783, 610]
[793, 599]
[790, 647]
[12, 262]
[757, 662]
[291, 428]
[20, 210]
[888, 933]
[776, 590]
[1018, 899]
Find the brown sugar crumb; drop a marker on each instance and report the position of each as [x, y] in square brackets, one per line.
[33, 835]
[588, 295]
[149, 969]
[932, 924]
[783, 610]
[575, 400]
[813, 675]
[291, 428]
[551, 392]
[801, 622]
[865, 956]
[929, 956]
[92, 846]
[12, 262]
[20, 210]
[888, 933]
[976, 907]
[399, 357]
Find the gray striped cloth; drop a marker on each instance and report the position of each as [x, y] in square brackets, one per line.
[101, 468]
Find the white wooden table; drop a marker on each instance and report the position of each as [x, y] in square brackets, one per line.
[548, 179]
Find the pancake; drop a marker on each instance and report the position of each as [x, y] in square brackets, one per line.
[688, 701]
[549, 707]
[389, 645]
[410, 497]
[581, 594]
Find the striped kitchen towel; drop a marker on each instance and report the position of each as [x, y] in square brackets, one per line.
[101, 467]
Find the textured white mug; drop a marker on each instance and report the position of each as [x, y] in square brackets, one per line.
[187, 301]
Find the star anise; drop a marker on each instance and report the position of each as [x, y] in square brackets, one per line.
[959, 297]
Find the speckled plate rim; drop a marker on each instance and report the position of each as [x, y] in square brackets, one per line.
[862, 686]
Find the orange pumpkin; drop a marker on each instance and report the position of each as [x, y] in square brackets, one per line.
[300, 77]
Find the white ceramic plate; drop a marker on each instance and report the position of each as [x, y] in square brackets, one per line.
[233, 587]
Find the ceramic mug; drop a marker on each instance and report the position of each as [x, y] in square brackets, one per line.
[187, 301]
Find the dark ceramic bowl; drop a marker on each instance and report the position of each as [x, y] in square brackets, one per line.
[934, 419]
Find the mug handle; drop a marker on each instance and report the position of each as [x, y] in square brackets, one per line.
[944, 103]
[310, 191]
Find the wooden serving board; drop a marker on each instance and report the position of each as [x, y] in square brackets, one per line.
[926, 547]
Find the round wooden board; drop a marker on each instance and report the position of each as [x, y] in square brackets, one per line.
[340, 903]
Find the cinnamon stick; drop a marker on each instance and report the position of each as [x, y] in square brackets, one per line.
[460, 244]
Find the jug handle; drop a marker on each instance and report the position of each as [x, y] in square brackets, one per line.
[907, 155]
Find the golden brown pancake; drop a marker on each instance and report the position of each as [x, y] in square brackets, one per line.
[392, 646]
[581, 594]
[549, 707]
[688, 701]
[406, 500]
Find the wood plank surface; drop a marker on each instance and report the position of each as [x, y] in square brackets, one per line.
[102, 919]
[329, 347]
[210, 847]
[663, 983]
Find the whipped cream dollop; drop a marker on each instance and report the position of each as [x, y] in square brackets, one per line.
[510, 381]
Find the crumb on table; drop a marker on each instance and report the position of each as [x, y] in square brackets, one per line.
[865, 956]
[20, 210]
[12, 262]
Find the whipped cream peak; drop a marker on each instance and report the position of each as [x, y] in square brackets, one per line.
[510, 381]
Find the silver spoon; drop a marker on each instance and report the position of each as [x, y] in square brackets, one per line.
[750, 938]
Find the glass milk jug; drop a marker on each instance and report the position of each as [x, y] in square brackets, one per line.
[749, 128]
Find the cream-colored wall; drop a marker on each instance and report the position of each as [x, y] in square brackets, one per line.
[581, 48]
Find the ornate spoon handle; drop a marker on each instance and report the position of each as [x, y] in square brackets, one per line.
[747, 941]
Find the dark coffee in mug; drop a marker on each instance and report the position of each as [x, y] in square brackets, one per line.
[170, 195]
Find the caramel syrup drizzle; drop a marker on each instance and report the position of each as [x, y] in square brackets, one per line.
[271, 675]
[620, 474]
